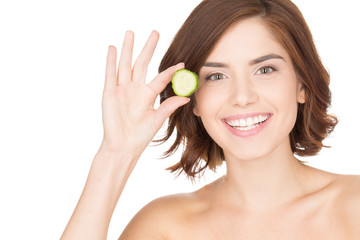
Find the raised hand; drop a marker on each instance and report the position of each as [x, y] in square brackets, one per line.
[129, 118]
[130, 122]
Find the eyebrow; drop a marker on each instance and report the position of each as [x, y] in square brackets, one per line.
[252, 62]
[215, 64]
[266, 57]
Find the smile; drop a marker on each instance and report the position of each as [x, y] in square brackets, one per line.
[247, 125]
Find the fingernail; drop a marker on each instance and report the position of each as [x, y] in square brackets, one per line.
[129, 33]
[180, 66]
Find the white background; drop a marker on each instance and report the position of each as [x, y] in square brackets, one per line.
[52, 65]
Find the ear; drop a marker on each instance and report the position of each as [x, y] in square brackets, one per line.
[300, 95]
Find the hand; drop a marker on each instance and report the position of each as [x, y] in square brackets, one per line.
[129, 118]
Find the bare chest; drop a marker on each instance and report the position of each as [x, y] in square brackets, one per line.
[298, 224]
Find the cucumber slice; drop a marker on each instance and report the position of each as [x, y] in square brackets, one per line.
[184, 82]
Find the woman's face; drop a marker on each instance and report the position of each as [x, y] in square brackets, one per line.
[248, 93]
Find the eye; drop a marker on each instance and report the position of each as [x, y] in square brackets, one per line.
[215, 76]
[266, 70]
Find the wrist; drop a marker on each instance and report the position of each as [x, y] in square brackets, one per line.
[114, 159]
[111, 170]
[116, 149]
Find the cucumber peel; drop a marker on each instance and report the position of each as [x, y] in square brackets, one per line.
[184, 82]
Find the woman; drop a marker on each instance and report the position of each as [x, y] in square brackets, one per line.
[263, 97]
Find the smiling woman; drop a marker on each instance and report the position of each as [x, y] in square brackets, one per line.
[263, 98]
[285, 26]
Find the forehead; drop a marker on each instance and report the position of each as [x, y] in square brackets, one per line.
[247, 39]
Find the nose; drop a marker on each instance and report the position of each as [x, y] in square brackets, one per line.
[243, 92]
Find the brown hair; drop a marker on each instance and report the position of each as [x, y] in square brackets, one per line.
[194, 42]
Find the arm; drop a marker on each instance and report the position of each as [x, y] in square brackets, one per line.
[107, 177]
[130, 122]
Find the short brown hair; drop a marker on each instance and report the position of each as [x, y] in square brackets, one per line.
[194, 42]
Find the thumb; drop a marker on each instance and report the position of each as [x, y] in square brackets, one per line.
[168, 107]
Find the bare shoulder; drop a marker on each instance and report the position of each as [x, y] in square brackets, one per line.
[160, 217]
[348, 187]
[349, 197]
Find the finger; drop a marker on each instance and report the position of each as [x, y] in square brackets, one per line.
[162, 80]
[167, 108]
[110, 73]
[124, 70]
[142, 62]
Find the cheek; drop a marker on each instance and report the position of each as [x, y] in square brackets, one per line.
[283, 90]
[209, 100]
[283, 97]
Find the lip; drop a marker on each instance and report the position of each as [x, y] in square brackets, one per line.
[246, 133]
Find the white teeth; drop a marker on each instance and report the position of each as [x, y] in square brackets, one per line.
[248, 123]
[242, 123]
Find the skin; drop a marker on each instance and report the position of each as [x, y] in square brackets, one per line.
[266, 193]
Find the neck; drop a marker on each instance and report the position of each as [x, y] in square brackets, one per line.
[265, 183]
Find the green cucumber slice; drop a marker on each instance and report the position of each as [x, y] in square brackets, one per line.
[184, 82]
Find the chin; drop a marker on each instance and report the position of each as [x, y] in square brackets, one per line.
[246, 154]
[258, 151]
